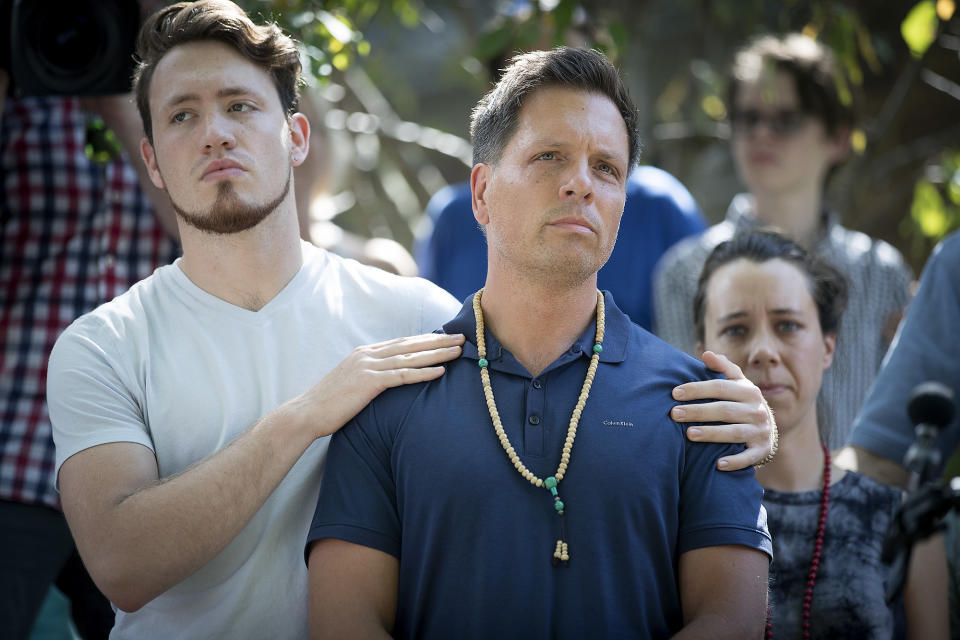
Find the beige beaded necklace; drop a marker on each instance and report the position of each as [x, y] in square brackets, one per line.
[561, 550]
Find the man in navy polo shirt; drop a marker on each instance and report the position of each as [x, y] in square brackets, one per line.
[540, 488]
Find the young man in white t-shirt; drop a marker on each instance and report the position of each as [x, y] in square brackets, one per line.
[191, 413]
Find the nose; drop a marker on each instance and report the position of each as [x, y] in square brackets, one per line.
[577, 183]
[217, 132]
[763, 351]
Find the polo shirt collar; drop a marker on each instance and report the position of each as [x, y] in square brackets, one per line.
[616, 335]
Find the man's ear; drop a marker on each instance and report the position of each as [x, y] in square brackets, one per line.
[479, 179]
[150, 160]
[299, 138]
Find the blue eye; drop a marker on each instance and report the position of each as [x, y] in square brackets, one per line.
[547, 155]
[788, 326]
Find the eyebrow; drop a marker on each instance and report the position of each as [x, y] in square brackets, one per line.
[600, 153]
[780, 311]
[226, 92]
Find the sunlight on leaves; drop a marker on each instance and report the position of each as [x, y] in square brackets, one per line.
[919, 28]
[929, 211]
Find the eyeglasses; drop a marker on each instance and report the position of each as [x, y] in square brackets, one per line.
[782, 122]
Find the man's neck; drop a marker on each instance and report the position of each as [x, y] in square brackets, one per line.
[537, 322]
[797, 213]
[246, 269]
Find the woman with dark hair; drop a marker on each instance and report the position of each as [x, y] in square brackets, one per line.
[790, 130]
[774, 309]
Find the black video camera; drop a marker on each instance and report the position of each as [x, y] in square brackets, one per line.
[68, 47]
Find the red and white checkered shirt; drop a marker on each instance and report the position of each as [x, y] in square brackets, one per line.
[73, 234]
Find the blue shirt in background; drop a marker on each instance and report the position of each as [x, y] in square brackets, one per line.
[421, 475]
[658, 212]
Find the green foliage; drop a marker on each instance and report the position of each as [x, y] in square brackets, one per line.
[936, 198]
[330, 33]
[101, 144]
[919, 28]
[538, 25]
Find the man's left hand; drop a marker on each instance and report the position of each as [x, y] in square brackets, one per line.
[738, 403]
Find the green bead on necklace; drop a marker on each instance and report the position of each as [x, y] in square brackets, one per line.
[561, 551]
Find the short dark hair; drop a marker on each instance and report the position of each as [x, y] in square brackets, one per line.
[221, 21]
[494, 119]
[811, 64]
[828, 287]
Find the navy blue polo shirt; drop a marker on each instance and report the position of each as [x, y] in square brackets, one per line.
[421, 475]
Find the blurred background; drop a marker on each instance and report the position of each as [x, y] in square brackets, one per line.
[392, 83]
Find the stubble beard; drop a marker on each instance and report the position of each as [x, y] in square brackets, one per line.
[228, 214]
[562, 268]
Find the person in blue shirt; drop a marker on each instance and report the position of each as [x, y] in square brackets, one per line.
[659, 211]
[541, 487]
[926, 347]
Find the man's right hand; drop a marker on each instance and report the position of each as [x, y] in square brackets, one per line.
[368, 371]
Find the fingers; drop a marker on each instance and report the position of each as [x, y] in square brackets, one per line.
[410, 344]
[399, 377]
[718, 389]
[742, 460]
[747, 433]
[721, 364]
[752, 414]
[415, 360]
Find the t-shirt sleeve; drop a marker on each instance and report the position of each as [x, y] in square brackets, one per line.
[358, 496]
[719, 507]
[437, 307]
[925, 348]
[90, 395]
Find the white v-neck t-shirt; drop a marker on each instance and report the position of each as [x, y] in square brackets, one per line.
[182, 372]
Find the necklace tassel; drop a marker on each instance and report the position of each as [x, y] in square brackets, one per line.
[561, 553]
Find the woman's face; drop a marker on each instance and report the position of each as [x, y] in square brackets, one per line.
[778, 149]
[763, 317]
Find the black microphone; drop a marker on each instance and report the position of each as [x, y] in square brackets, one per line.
[931, 409]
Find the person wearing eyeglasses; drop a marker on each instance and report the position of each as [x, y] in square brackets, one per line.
[790, 131]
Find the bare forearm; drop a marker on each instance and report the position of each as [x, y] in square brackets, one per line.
[873, 466]
[353, 591]
[159, 534]
[714, 627]
[140, 535]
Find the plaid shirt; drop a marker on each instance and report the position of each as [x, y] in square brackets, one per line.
[878, 281]
[73, 234]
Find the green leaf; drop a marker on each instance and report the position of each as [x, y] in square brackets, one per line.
[929, 211]
[618, 31]
[494, 42]
[919, 28]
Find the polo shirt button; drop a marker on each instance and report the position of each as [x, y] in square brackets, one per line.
[537, 384]
[534, 419]
[575, 348]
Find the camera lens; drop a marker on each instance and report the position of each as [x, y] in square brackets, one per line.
[73, 47]
[69, 44]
